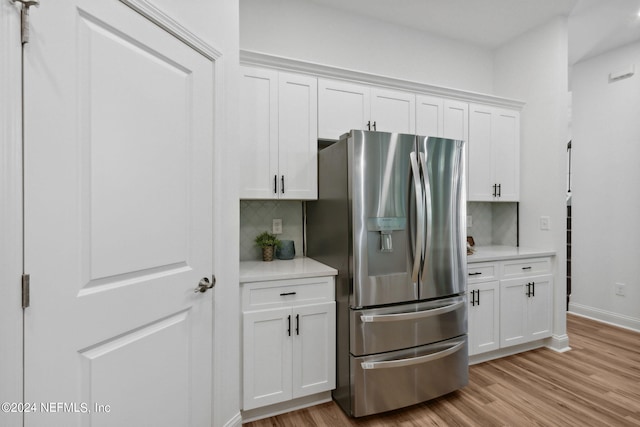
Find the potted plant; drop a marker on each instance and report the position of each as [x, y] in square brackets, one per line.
[267, 242]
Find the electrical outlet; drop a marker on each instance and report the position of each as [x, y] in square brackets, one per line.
[545, 223]
[277, 226]
[469, 221]
[620, 289]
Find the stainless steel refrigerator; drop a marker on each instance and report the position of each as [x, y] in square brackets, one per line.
[390, 217]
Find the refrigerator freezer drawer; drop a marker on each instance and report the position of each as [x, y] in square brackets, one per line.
[383, 382]
[382, 329]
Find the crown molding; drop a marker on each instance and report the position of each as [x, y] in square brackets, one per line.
[252, 58]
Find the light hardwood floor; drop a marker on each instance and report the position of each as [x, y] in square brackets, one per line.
[597, 383]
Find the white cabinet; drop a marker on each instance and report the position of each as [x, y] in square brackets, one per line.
[393, 111]
[440, 117]
[510, 302]
[343, 106]
[288, 340]
[493, 154]
[526, 309]
[483, 298]
[278, 135]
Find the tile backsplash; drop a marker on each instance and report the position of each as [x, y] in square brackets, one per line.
[256, 216]
[493, 223]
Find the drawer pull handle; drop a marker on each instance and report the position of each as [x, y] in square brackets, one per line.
[287, 293]
[414, 360]
[526, 268]
[477, 273]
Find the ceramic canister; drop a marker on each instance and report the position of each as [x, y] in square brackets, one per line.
[287, 250]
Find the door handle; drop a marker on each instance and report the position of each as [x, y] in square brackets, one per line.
[414, 360]
[205, 285]
[400, 317]
[417, 182]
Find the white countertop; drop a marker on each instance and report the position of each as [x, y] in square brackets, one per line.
[257, 271]
[497, 253]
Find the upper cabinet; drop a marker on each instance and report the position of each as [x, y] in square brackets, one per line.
[393, 111]
[278, 135]
[445, 118]
[494, 154]
[343, 106]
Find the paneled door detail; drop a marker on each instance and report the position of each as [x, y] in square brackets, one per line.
[118, 219]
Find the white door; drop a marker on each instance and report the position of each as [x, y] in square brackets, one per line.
[540, 316]
[393, 111]
[314, 349]
[342, 106]
[479, 152]
[297, 137]
[118, 220]
[429, 115]
[506, 152]
[484, 317]
[267, 357]
[513, 312]
[456, 120]
[259, 133]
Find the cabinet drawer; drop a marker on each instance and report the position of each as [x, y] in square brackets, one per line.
[526, 267]
[282, 293]
[481, 272]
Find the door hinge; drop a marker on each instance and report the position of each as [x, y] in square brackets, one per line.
[25, 290]
[24, 17]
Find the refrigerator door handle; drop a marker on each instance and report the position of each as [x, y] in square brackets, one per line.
[400, 317]
[417, 183]
[413, 360]
[428, 214]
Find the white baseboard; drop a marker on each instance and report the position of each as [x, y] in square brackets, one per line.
[235, 421]
[506, 351]
[604, 316]
[558, 343]
[283, 407]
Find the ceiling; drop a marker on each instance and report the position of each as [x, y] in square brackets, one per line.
[595, 26]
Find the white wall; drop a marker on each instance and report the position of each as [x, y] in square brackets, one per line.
[605, 178]
[306, 31]
[534, 68]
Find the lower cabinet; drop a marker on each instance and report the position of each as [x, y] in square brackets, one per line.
[288, 351]
[525, 306]
[510, 303]
[484, 317]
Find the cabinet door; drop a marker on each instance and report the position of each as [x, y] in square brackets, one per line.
[297, 137]
[342, 106]
[513, 312]
[429, 115]
[484, 317]
[258, 132]
[479, 167]
[267, 346]
[506, 153]
[540, 305]
[393, 111]
[314, 349]
[455, 120]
